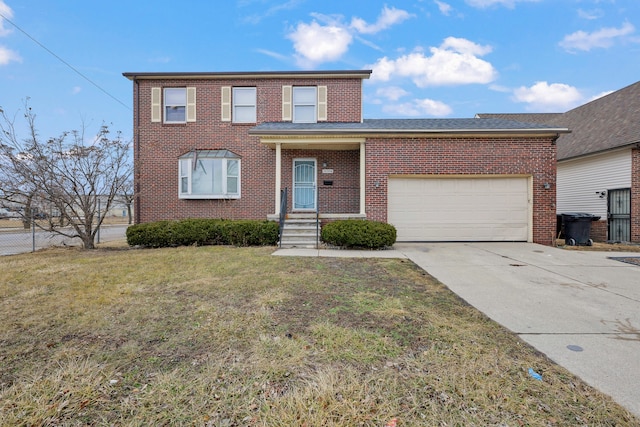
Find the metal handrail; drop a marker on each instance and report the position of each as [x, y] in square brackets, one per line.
[317, 226]
[283, 212]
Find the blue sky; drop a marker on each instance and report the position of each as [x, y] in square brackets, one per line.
[430, 58]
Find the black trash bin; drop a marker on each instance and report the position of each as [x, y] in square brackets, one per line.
[576, 228]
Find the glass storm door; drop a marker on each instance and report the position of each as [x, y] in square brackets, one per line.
[304, 185]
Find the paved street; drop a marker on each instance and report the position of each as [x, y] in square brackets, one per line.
[21, 241]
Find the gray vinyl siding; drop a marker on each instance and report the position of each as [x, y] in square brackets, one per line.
[579, 181]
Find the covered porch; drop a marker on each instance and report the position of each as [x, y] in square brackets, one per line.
[318, 177]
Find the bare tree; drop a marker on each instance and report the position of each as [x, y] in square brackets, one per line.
[127, 196]
[62, 177]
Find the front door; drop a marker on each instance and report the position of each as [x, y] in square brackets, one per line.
[619, 215]
[304, 185]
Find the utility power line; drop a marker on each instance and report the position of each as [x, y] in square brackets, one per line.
[65, 62]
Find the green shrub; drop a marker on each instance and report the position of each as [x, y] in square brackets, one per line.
[202, 231]
[354, 233]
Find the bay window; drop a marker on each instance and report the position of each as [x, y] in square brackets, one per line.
[209, 174]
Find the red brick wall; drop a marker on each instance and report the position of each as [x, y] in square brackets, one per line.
[468, 156]
[599, 230]
[635, 195]
[159, 145]
[343, 196]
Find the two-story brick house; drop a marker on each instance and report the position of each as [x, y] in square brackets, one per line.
[224, 145]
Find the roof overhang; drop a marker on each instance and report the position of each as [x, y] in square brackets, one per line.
[629, 146]
[408, 133]
[362, 74]
[326, 142]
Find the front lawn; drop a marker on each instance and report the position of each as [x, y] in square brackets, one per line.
[221, 336]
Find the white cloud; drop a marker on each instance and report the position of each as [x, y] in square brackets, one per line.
[392, 93]
[445, 8]
[387, 18]
[600, 95]
[5, 11]
[465, 46]
[499, 88]
[315, 43]
[256, 18]
[590, 14]
[418, 107]
[455, 62]
[488, 3]
[8, 55]
[273, 54]
[76, 90]
[606, 37]
[326, 38]
[545, 97]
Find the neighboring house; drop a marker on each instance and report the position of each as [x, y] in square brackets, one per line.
[599, 161]
[225, 145]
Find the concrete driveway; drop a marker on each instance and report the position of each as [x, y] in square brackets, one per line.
[579, 308]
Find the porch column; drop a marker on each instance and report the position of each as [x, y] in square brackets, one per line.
[278, 176]
[363, 179]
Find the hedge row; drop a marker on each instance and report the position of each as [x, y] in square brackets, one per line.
[354, 233]
[203, 232]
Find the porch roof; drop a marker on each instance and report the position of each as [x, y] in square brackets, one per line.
[407, 126]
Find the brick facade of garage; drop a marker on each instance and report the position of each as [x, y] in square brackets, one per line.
[469, 156]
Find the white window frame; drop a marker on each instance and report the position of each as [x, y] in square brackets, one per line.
[238, 105]
[167, 105]
[186, 172]
[297, 103]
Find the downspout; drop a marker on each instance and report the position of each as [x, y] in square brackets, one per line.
[136, 157]
[363, 179]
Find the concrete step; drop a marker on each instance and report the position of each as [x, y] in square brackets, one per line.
[306, 245]
[300, 233]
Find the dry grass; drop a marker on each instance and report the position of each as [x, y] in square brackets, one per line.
[217, 336]
[601, 246]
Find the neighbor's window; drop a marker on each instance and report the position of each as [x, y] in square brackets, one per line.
[210, 174]
[175, 105]
[244, 104]
[305, 104]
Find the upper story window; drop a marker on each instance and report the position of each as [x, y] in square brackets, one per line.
[238, 104]
[305, 104]
[209, 174]
[173, 104]
[244, 104]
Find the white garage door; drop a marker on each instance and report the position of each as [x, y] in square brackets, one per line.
[459, 209]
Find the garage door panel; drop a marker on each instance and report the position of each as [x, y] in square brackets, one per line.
[459, 209]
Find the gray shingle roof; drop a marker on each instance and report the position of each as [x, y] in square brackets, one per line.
[522, 117]
[407, 126]
[603, 124]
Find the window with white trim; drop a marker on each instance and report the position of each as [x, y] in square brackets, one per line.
[244, 104]
[175, 105]
[178, 104]
[209, 174]
[305, 104]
